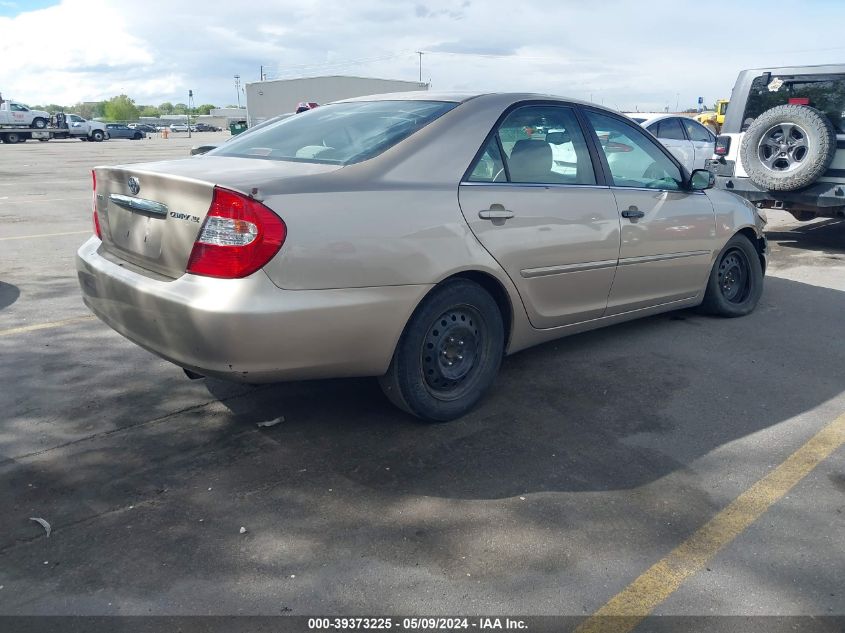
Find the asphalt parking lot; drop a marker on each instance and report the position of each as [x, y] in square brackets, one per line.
[594, 458]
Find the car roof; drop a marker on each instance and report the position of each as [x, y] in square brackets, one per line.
[650, 117]
[463, 97]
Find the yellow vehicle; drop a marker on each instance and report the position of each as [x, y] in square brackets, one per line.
[714, 119]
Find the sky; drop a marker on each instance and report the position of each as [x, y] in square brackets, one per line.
[643, 55]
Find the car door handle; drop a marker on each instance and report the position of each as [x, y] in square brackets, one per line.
[632, 213]
[496, 212]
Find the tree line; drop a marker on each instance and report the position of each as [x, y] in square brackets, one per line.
[124, 108]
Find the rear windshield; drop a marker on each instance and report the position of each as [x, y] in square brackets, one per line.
[339, 134]
[823, 92]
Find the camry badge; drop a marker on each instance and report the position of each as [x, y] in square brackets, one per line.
[134, 185]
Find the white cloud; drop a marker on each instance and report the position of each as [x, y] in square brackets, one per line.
[646, 54]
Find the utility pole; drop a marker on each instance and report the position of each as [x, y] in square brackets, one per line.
[261, 74]
[420, 53]
[238, 89]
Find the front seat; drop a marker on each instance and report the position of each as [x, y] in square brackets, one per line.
[531, 161]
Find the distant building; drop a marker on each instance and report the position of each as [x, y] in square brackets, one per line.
[266, 99]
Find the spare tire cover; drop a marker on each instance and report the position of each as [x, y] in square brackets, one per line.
[788, 147]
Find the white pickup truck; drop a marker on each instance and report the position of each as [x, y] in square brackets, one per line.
[67, 126]
[17, 114]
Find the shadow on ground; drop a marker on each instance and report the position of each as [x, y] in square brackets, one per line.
[8, 294]
[346, 485]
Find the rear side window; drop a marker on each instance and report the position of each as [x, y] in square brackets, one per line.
[341, 133]
[543, 144]
[824, 92]
[668, 128]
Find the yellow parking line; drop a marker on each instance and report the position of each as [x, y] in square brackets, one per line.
[26, 237]
[629, 607]
[45, 326]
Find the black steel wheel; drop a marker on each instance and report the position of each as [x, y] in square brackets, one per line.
[736, 280]
[449, 353]
[734, 276]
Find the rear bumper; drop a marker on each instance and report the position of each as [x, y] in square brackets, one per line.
[823, 195]
[248, 330]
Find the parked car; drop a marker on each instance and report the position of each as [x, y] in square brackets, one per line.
[118, 130]
[688, 140]
[204, 127]
[143, 127]
[783, 142]
[178, 127]
[205, 148]
[372, 237]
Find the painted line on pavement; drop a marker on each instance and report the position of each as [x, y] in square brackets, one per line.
[28, 237]
[629, 607]
[46, 326]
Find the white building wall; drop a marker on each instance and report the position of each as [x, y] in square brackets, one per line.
[265, 99]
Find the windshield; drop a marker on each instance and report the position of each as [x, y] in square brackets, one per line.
[823, 92]
[340, 133]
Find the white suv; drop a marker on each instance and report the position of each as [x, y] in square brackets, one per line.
[783, 142]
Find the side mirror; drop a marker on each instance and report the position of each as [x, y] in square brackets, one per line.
[701, 179]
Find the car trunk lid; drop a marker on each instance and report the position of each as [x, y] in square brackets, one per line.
[151, 214]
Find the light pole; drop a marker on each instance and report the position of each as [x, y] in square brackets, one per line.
[238, 89]
[190, 106]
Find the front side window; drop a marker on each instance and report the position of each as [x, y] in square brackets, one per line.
[823, 92]
[341, 133]
[698, 132]
[16, 107]
[635, 160]
[542, 145]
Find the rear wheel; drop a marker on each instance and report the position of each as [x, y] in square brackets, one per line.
[449, 353]
[736, 281]
[13, 137]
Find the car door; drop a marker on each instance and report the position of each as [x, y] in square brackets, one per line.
[703, 141]
[671, 133]
[533, 199]
[20, 114]
[668, 231]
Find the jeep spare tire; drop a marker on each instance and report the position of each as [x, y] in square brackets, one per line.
[788, 147]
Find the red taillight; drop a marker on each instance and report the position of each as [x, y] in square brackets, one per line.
[239, 236]
[97, 230]
[723, 145]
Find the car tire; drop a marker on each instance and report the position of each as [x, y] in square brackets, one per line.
[736, 280]
[40, 123]
[136, 137]
[809, 149]
[13, 137]
[97, 135]
[449, 353]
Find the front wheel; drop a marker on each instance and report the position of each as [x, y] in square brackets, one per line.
[39, 123]
[449, 353]
[736, 281]
[97, 135]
